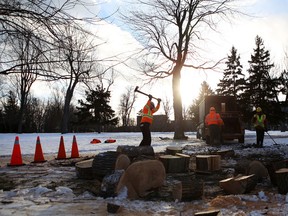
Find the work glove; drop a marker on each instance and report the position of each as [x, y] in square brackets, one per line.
[150, 97]
[159, 100]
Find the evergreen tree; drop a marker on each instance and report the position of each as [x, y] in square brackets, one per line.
[193, 110]
[96, 110]
[233, 78]
[11, 111]
[260, 84]
[284, 84]
[261, 89]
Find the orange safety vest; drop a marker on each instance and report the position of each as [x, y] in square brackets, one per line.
[213, 118]
[147, 113]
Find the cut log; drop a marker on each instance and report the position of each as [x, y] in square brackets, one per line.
[104, 164]
[186, 159]
[174, 164]
[282, 180]
[122, 162]
[84, 169]
[172, 150]
[238, 185]
[273, 166]
[208, 213]
[192, 189]
[186, 187]
[208, 163]
[136, 151]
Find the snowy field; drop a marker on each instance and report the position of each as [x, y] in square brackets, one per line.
[50, 141]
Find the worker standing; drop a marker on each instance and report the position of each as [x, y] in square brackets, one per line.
[214, 123]
[147, 118]
[259, 121]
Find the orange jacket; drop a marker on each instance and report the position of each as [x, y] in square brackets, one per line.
[147, 113]
[213, 118]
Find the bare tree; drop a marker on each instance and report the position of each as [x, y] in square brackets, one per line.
[39, 20]
[127, 101]
[28, 55]
[167, 107]
[169, 31]
[77, 64]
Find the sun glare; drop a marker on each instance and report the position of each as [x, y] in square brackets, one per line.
[190, 87]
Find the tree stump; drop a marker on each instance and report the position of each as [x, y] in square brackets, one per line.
[174, 164]
[84, 169]
[238, 185]
[208, 163]
[136, 151]
[282, 180]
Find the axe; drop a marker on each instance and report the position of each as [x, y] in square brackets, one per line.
[136, 90]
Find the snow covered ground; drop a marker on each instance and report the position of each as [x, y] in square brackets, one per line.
[62, 200]
[50, 141]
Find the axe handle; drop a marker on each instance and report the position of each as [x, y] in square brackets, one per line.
[145, 93]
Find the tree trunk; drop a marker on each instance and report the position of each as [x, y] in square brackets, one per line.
[23, 103]
[177, 104]
[66, 111]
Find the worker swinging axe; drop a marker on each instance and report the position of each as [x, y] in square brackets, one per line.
[147, 117]
[136, 90]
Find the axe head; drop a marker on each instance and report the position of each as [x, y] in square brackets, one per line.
[136, 89]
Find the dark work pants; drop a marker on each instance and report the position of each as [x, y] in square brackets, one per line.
[214, 131]
[259, 137]
[145, 129]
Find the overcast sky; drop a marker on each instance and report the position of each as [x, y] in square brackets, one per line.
[269, 21]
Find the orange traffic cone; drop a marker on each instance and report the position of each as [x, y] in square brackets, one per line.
[61, 151]
[16, 159]
[74, 151]
[38, 156]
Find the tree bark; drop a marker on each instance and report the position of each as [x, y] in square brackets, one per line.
[177, 104]
[65, 119]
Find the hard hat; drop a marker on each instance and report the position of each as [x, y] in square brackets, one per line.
[212, 108]
[258, 109]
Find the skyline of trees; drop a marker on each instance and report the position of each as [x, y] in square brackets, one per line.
[42, 42]
[41, 116]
